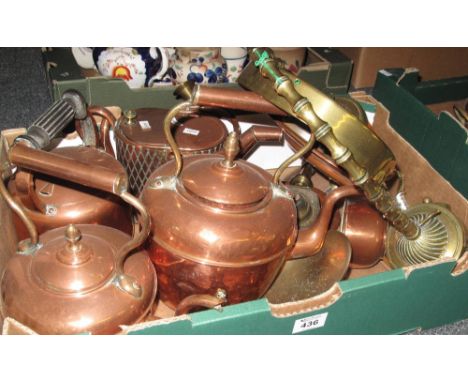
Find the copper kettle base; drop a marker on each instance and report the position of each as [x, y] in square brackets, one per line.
[310, 276]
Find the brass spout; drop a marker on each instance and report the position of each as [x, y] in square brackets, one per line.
[310, 240]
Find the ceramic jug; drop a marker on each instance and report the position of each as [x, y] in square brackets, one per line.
[139, 67]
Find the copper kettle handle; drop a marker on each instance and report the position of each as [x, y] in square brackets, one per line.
[185, 108]
[107, 123]
[92, 176]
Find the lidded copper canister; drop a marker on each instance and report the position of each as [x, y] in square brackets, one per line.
[52, 202]
[142, 146]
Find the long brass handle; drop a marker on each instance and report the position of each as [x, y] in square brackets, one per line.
[304, 111]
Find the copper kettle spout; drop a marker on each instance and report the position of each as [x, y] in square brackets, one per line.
[259, 134]
[310, 240]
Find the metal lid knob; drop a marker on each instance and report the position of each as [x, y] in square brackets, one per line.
[74, 253]
[130, 116]
[231, 149]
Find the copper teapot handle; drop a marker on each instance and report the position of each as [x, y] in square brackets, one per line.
[186, 108]
[92, 176]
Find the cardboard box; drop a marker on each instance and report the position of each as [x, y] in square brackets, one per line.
[325, 68]
[374, 301]
[438, 137]
[433, 63]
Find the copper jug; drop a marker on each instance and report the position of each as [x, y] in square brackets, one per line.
[79, 278]
[221, 227]
[142, 147]
[51, 202]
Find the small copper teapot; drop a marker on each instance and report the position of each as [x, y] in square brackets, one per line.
[221, 227]
[78, 278]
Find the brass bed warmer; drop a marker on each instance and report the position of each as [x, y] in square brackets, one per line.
[424, 232]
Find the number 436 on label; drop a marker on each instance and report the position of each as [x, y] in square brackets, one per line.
[309, 323]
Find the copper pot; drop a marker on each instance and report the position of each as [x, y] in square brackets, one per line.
[365, 228]
[221, 227]
[142, 147]
[78, 278]
[51, 202]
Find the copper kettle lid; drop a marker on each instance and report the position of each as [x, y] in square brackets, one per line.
[144, 127]
[226, 181]
[60, 194]
[72, 262]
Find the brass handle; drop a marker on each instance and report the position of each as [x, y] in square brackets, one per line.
[303, 110]
[201, 300]
[184, 107]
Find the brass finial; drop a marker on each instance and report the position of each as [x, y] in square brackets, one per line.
[231, 149]
[130, 116]
[73, 237]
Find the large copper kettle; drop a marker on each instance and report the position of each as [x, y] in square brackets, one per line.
[78, 278]
[51, 202]
[222, 227]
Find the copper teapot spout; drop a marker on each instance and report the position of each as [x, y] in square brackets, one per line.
[310, 240]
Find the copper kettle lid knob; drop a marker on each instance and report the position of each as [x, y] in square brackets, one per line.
[231, 149]
[74, 253]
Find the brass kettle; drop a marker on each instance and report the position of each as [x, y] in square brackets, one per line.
[80, 278]
[221, 227]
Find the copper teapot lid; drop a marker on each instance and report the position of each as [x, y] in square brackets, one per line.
[223, 180]
[73, 263]
[144, 127]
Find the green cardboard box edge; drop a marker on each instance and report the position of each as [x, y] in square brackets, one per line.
[440, 139]
[385, 303]
[63, 72]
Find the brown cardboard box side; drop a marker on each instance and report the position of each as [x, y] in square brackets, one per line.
[433, 63]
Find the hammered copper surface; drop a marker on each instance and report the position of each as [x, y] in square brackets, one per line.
[68, 286]
[52, 202]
